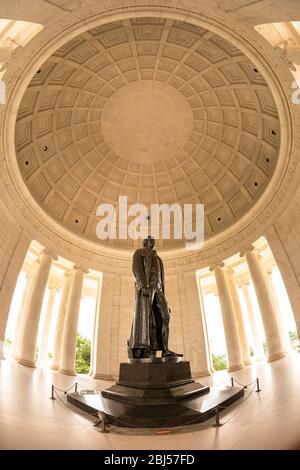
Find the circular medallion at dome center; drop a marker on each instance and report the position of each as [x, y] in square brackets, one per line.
[147, 121]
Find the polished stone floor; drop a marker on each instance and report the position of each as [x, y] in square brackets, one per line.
[266, 420]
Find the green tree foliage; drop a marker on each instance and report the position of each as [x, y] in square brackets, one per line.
[293, 339]
[219, 362]
[83, 355]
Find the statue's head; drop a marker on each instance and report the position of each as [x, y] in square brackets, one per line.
[149, 242]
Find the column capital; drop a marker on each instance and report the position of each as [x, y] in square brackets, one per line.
[49, 252]
[66, 274]
[28, 274]
[245, 283]
[76, 267]
[217, 265]
[230, 271]
[30, 268]
[52, 286]
[250, 248]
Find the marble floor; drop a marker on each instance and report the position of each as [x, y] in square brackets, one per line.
[266, 420]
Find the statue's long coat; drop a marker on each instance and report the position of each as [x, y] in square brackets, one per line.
[145, 328]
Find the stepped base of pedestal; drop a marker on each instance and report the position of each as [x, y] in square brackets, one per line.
[159, 373]
[159, 382]
[155, 394]
[185, 412]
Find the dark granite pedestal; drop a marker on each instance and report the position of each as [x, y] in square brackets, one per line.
[161, 381]
[155, 393]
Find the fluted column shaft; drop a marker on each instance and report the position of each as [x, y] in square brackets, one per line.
[281, 323]
[10, 272]
[230, 327]
[102, 350]
[22, 323]
[192, 305]
[60, 323]
[44, 340]
[22, 310]
[239, 318]
[68, 354]
[271, 327]
[257, 343]
[27, 354]
[287, 261]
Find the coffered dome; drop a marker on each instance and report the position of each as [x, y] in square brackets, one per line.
[154, 109]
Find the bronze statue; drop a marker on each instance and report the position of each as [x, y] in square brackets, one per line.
[150, 326]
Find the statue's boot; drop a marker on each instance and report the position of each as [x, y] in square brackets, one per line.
[168, 353]
[147, 353]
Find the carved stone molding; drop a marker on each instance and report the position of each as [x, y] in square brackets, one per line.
[254, 224]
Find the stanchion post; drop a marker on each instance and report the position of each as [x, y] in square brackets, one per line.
[52, 393]
[76, 384]
[103, 421]
[258, 389]
[232, 382]
[217, 423]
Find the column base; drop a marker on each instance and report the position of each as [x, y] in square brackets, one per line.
[276, 356]
[248, 363]
[201, 373]
[102, 376]
[235, 367]
[66, 371]
[26, 362]
[54, 367]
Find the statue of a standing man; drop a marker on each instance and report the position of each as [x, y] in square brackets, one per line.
[150, 327]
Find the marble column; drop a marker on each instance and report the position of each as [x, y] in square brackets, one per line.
[193, 313]
[60, 323]
[257, 341]
[281, 322]
[239, 317]
[285, 250]
[44, 339]
[68, 353]
[93, 342]
[233, 347]
[22, 324]
[27, 353]
[103, 337]
[9, 276]
[21, 313]
[178, 339]
[264, 298]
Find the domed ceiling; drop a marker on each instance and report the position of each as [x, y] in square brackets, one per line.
[158, 110]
